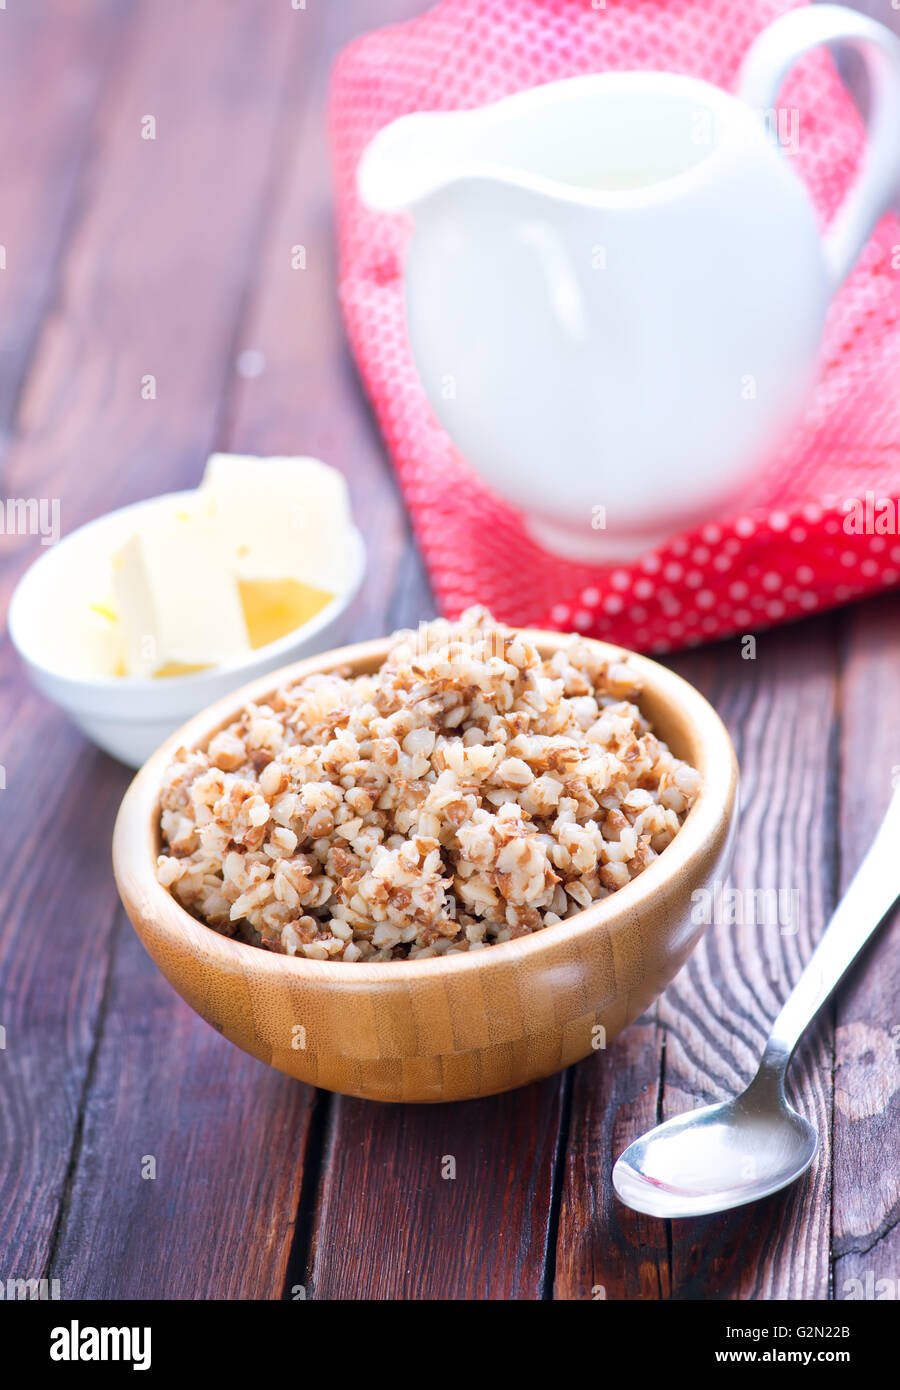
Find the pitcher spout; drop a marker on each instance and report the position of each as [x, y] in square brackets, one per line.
[411, 158]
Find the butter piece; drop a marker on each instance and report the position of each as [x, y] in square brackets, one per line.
[281, 518]
[81, 638]
[177, 601]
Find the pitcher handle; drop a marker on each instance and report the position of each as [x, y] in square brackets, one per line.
[878, 182]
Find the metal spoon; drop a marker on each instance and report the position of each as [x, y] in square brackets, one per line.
[726, 1155]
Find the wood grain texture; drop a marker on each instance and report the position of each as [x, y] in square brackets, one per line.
[604, 1249]
[191, 1158]
[152, 282]
[49, 1015]
[56, 929]
[781, 708]
[866, 1179]
[65, 53]
[432, 1202]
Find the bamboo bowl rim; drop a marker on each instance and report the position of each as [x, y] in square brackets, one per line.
[136, 837]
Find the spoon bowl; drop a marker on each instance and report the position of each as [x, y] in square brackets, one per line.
[716, 1157]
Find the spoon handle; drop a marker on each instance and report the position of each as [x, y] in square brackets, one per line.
[872, 892]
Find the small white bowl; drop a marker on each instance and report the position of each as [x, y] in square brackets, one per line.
[126, 716]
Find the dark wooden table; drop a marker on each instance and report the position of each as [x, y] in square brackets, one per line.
[127, 258]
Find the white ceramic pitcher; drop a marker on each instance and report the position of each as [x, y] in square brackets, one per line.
[616, 286]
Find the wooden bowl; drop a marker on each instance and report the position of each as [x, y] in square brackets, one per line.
[451, 1027]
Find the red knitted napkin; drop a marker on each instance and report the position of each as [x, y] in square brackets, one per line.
[792, 548]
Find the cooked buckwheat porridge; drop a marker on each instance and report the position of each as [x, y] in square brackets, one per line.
[465, 794]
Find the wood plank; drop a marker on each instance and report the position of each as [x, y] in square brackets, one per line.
[390, 1224]
[56, 924]
[64, 54]
[605, 1250]
[152, 283]
[227, 1138]
[53, 963]
[780, 709]
[866, 1179]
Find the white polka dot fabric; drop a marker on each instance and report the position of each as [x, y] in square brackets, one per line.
[788, 551]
